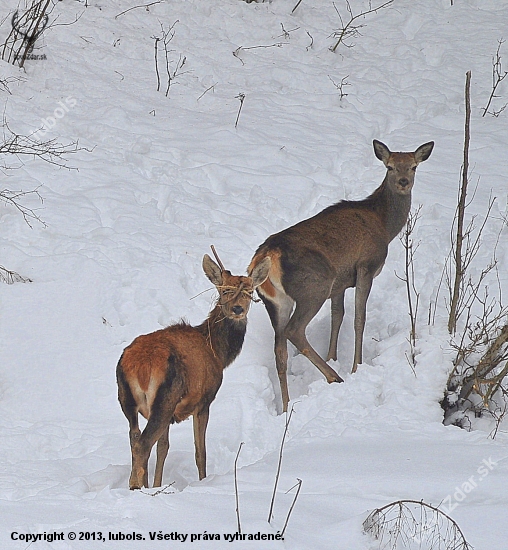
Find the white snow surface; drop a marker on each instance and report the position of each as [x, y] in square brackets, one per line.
[161, 180]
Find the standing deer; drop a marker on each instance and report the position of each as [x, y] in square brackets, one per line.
[176, 372]
[343, 246]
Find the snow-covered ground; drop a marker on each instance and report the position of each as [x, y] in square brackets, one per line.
[166, 177]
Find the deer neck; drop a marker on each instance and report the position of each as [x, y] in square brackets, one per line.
[224, 336]
[393, 208]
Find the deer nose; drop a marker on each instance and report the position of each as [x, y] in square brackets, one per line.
[403, 182]
[237, 310]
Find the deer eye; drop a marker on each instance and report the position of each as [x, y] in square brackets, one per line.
[414, 168]
[389, 168]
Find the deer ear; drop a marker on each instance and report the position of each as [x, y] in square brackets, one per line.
[381, 151]
[212, 270]
[423, 152]
[260, 272]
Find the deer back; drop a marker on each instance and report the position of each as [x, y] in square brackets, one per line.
[158, 358]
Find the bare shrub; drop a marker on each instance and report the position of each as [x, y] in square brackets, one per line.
[173, 69]
[413, 525]
[478, 382]
[341, 86]
[27, 27]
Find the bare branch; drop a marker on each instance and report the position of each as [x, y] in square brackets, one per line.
[413, 296]
[498, 75]
[296, 6]
[459, 273]
[4, 83]
[212, 87]
[50, 151]
[239, 525]
[352, 29]
[13, 198]
[142, 6]
[299, 486]
[236, 53]
[10, 277]
[279, 465]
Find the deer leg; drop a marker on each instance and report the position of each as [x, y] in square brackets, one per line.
[140, 454]
[295, 332]
[134, 435]
[281, 362]
[337, 314]
[363, 286]
[280, 313]
[156, 429]
[162, 453]
[129, 408]
[200, 421]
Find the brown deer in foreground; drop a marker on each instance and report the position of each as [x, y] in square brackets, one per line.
[176, 372]
[343, 246]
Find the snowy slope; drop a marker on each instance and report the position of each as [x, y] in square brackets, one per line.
[163, 178]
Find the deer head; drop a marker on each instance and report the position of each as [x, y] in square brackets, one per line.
[401, 167]
[235, 292]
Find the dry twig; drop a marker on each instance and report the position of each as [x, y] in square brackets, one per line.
[309, 47]
[161, 491]
[340, 87]
[286, 34]
[241, 98]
